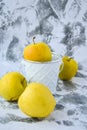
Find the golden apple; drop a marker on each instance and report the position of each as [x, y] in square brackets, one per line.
[68, 68]
[40, 52]
[37, 100]
[12, 84]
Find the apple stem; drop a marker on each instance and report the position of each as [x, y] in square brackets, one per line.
[69, 59]
[33, 40]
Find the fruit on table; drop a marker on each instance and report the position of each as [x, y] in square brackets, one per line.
[37, 100]
[68, 68]
[40, 52]
[12, 84]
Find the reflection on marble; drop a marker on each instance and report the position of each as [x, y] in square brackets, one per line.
[63, 25]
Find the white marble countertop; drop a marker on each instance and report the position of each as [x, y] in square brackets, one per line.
[70, 112]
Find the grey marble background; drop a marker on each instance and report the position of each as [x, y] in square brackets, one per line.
[63, 25]
[60, 23]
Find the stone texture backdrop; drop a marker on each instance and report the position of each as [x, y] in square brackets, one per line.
[60, 23]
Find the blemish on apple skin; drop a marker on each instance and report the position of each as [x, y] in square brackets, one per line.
[23, 82]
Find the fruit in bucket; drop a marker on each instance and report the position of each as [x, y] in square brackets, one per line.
[12, 84]
[40, 52]
[37, 100]
[68, 68]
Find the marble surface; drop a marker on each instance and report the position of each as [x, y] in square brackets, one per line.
[70, 112]
[62, 24]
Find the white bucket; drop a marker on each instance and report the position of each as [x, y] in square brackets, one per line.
[43, 72]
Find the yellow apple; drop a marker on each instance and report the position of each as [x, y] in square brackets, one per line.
[40, 52]
[68, 68]
[12, 84]
[37, 100]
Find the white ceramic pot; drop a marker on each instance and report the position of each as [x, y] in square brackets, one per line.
[43, 72]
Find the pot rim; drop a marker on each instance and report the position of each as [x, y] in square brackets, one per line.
[56, 59]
